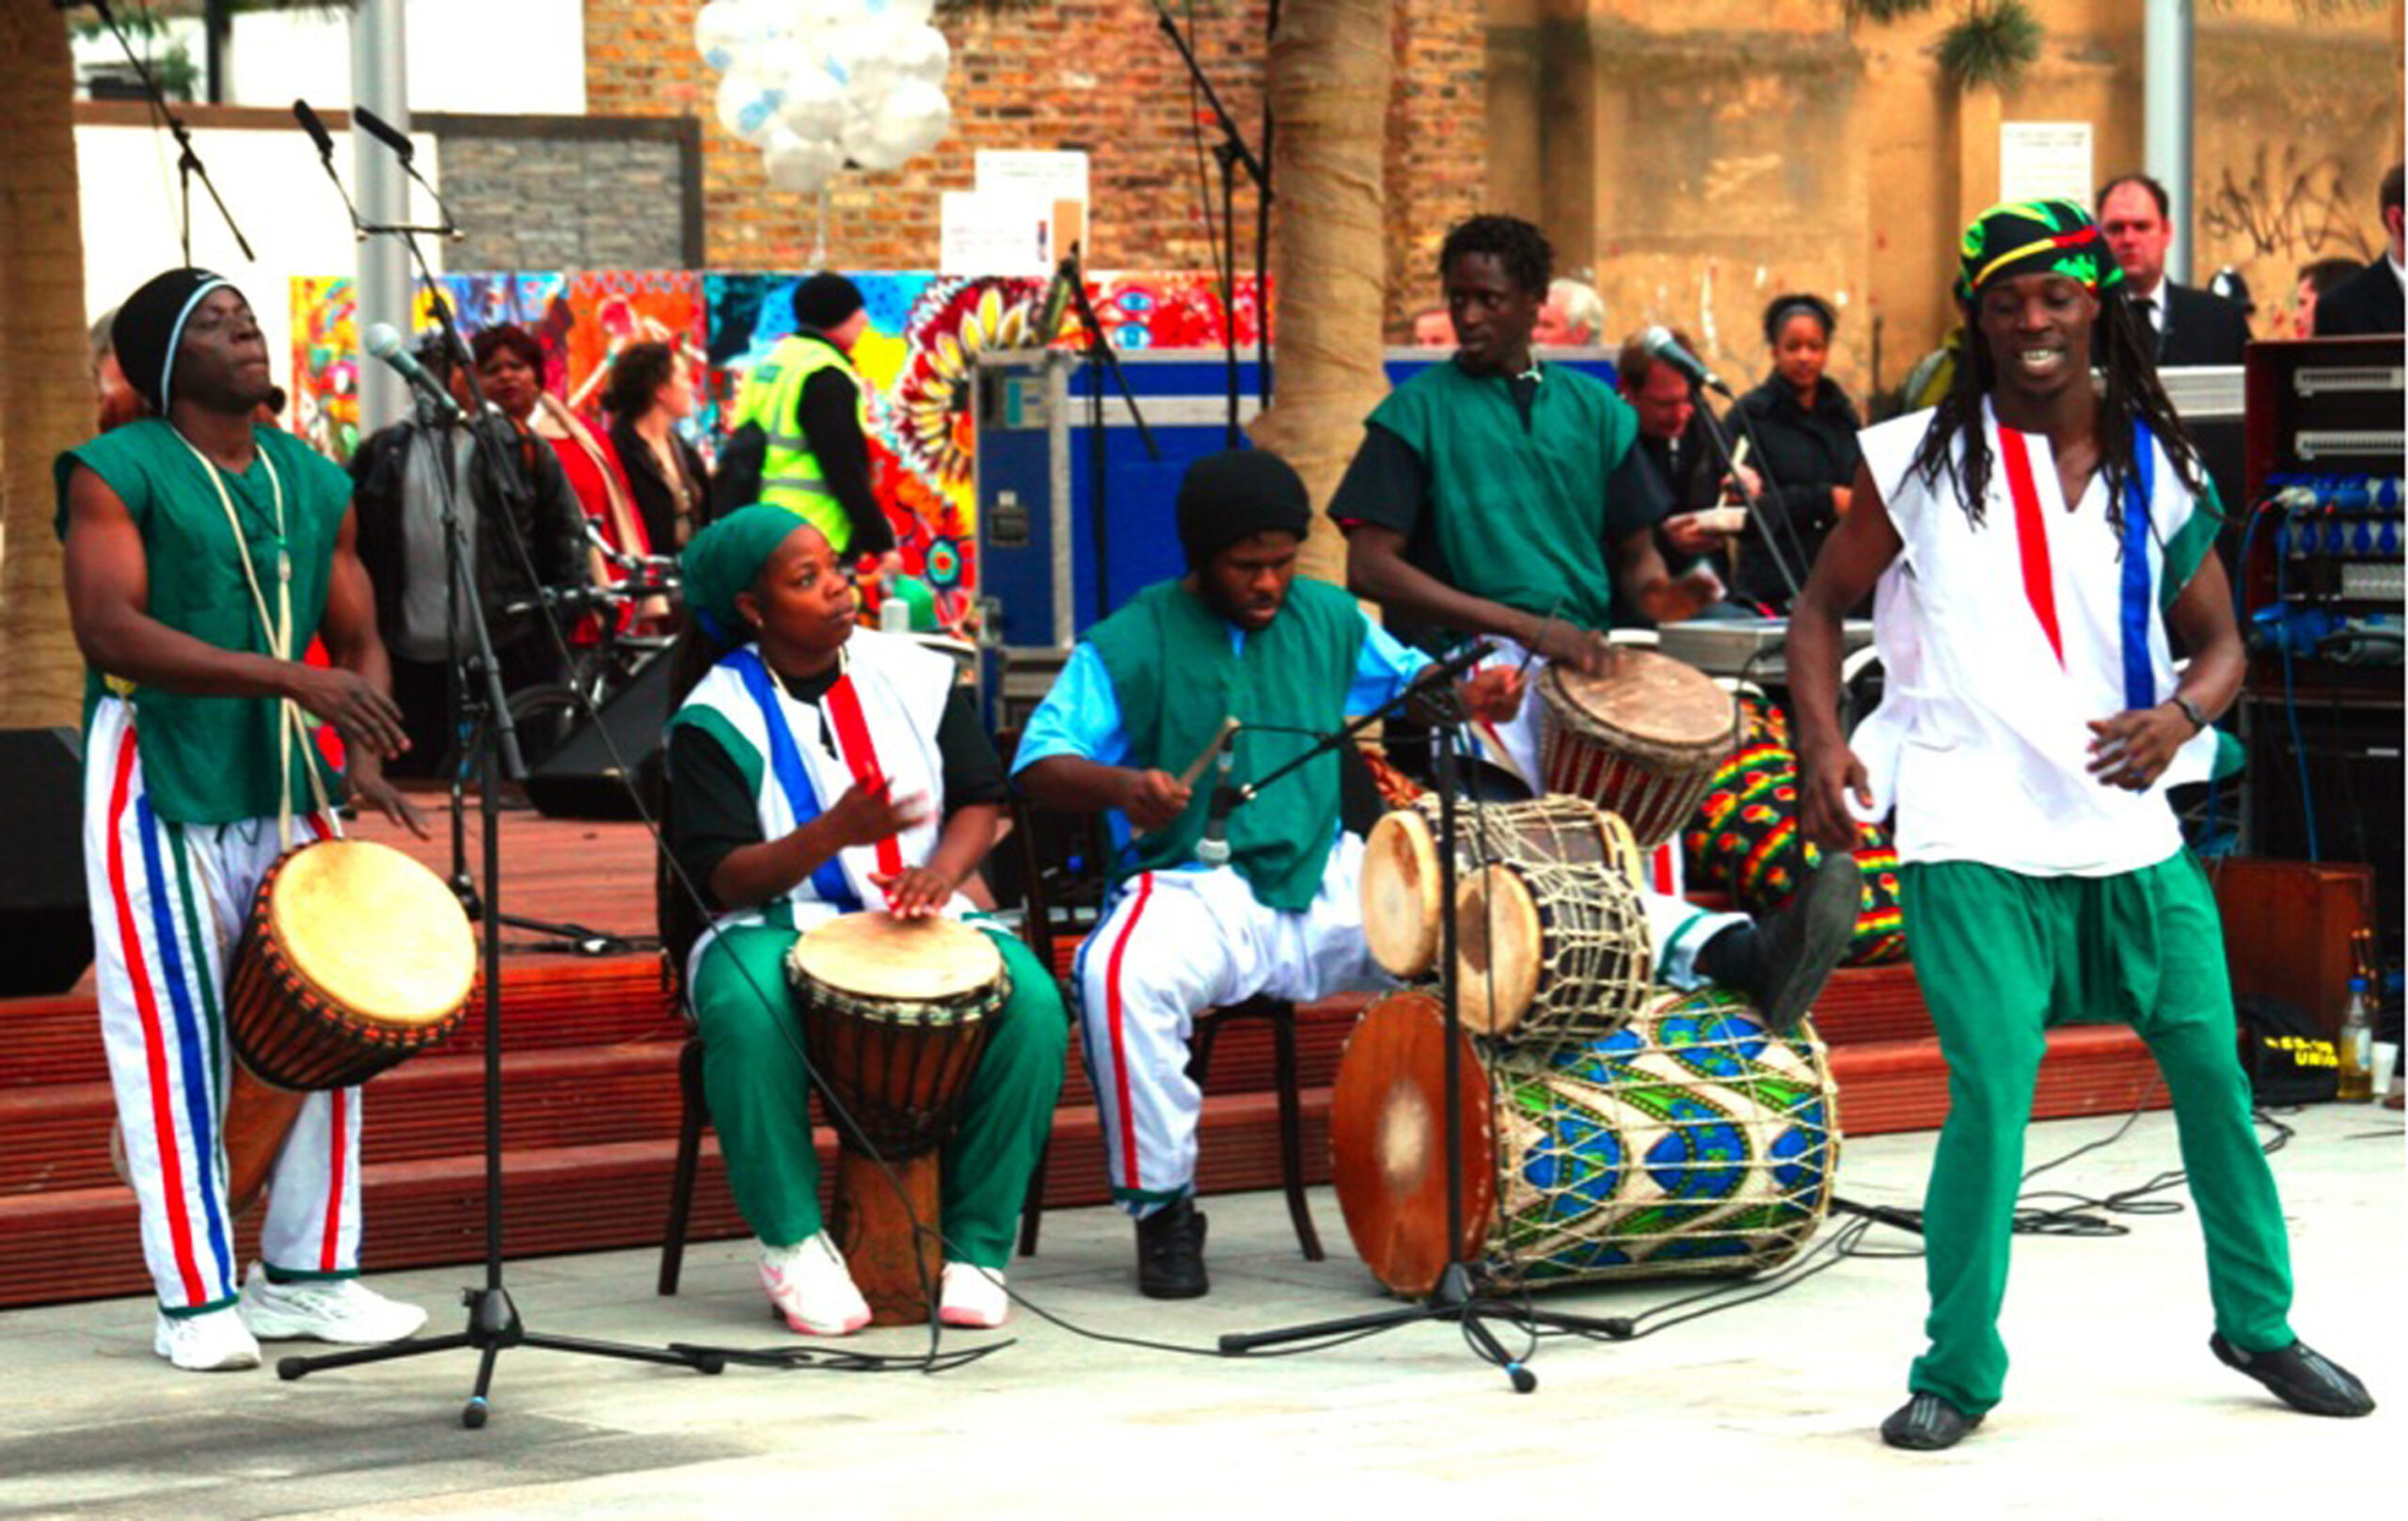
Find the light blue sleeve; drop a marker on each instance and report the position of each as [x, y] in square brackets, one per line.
[1385, 668]
[1080, 717]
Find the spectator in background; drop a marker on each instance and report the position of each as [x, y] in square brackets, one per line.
[1573, 316]
[2192, 326]
[595, 474]
[813, 408]
[1673, 437]
[2316, 281]
[118, 401]
[1805, 427]
[399, 498]
[1433, 329]
[652, 391]
[2370, 300]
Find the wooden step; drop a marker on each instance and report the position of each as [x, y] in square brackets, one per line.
[1892, 1085]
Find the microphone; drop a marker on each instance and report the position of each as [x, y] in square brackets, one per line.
[384, 131]
[1058, 299]
[383, 341]
[1660, 343]
[315, 128]
[1214, 849]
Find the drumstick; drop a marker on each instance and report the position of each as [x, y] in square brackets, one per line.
[1204, 757]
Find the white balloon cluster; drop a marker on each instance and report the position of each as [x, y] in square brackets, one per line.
[817, 85]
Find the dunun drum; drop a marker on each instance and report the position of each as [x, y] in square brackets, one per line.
[1401, 862]
[1691, 1142]
[355, 958]
[1547, 953]
[894, 1014]
[1642, 740]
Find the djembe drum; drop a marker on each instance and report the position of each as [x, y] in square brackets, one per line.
[894, 1014]
[355, 958]
[1545, 952]
[1642, 740]
[1401, 862]
[1692, 1141]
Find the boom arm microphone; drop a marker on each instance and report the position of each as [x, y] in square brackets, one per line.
[1660, 343]
[383, 341]
[384, 131]
[1058, 299]
[315, 128]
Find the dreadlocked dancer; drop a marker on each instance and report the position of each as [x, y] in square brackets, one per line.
[2035, 537]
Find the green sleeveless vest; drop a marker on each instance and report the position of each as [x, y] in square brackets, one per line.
[791, 476]
[1176, 678]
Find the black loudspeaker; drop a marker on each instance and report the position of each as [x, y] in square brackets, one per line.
[44, 921]
[579, 779]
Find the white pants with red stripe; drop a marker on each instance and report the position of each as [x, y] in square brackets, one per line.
[168, 903]
[1178, 941]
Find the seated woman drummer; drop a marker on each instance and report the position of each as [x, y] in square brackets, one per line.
[820, 768]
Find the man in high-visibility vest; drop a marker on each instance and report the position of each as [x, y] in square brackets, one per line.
[810, 401]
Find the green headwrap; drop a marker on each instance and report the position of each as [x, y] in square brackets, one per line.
[2035, 237]
[726, 558]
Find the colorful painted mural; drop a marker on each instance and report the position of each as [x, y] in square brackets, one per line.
[926, 332]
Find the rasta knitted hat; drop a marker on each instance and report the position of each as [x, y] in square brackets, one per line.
[150, 325]
[1235, 495]
[2035, 237]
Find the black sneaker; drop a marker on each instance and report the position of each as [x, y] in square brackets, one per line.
[1926, 1423]
[1797, 948]
[2301, 1377]
[1170, 1253]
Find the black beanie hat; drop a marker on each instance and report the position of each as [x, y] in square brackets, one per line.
[1235, 495]
[825, 300]
[150, 326]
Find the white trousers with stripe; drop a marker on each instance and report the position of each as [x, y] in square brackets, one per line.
[1180, 941]
[168, 903]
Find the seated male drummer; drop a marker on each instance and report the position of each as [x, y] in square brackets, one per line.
[180, 827]
[1149, 689]
[1493, 496]
[819, 769]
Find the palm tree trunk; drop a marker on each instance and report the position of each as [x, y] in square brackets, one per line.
[1329, 84]
[45, 368]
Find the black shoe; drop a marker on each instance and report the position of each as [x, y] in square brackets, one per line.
[1797, 948]
[1170, 1253]
[1926, 1423]
[2301, 1377]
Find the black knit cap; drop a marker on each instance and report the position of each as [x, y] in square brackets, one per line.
[150, 326]
[1235, 495]
[825, 300]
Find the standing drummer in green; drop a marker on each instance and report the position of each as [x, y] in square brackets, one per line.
[818, 770]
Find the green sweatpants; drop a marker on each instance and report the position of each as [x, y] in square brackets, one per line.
[2002, 958]
[759, 1089]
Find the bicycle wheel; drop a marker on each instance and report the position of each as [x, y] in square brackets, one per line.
[545, 717]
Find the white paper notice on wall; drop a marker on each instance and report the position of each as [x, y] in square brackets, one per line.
[996, 234]
[1042, 176]
[2037, 160]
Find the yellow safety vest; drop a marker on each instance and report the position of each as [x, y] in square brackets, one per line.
[790, 473]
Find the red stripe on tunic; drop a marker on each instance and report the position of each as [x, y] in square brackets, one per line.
[2032, 537]
[861, 758]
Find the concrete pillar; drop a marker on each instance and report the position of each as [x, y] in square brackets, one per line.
[380, 81]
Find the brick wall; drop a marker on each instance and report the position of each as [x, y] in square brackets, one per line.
[570, 192]
[1095, 75]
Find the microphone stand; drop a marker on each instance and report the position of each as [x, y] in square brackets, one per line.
[1101, 359]
[1232, 153]
[1763, 521]
[188, 165]
[492, 1322]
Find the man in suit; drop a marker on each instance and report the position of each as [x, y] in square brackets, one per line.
[2192, 326]
[2370, 300]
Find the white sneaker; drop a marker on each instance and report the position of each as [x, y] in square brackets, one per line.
[341, 1310]
[973, 1297]
[809, 1285]
[214, 1341]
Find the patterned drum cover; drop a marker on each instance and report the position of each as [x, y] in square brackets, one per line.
[1692, 1141]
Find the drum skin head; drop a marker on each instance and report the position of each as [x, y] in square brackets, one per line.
[879, 956]
[1401, 894]
[1645, 700]
[1501, 945]
[373, 931]
[1387, 1143]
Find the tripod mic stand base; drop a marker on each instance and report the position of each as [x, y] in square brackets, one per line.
[494, 1327]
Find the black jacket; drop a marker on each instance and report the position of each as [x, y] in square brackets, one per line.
[551, 524]
[657, 499]
[1806, 453]
[2200, 327]
[2369, 302]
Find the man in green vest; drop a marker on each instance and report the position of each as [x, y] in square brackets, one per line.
[812, 405]
[1151, 689]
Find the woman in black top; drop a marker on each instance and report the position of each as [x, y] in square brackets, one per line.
[652, 391]
[1804, 431]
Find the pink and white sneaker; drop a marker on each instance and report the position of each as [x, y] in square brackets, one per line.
[808, 1284]
[973, 1297]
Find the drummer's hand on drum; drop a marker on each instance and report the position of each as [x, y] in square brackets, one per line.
[1584, 650]
[1494, 695]
[1826, 779]
[916, 892]
[1152, 799]
[865, 815]
[361, 712]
